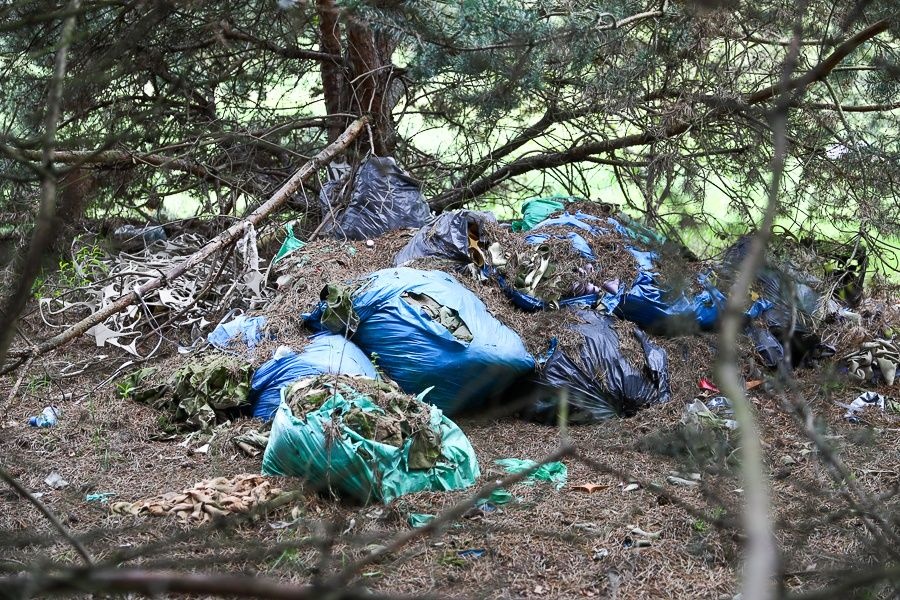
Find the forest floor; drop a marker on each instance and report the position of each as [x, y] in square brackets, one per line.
[621, 527]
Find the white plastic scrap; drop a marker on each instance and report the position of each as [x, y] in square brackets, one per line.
[56, 481]
[862, 403]
[697, 414]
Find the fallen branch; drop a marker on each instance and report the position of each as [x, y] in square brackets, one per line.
[228, 236]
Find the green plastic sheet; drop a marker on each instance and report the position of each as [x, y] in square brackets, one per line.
[321, 448]
[290, 244]
[538, 209]
[417, 520]
[554, 472]
[498, 497]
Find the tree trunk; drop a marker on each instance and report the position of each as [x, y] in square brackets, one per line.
[332, 78]
[371, 72]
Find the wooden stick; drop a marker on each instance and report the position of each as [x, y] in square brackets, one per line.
[228, 236]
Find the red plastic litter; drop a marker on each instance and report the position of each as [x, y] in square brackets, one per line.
[706, 384]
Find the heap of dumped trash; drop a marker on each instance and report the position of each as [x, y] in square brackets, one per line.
[397, 320]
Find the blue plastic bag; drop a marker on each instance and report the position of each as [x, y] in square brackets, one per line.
[325, 354]
[419, 352]
[249, 329]
[645, 301]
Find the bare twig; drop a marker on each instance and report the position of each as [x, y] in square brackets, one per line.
[156, 584]
[580, 152]
[760, 562]
[15, 387]
[850, 581]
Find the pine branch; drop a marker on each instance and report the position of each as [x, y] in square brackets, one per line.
[579, 153]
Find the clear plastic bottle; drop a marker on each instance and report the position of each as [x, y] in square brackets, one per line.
[48, 417]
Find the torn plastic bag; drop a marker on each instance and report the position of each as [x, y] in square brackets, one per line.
[628, 226]
[578, 242]
[130, 238]
[791, 304]
[767, 345]
[601, 383]
[531, 303]
[651, 306]
[326, 354]
[414, 346]
[457, 235]
[248, 330]
[365, 440]
[644, 301]
[383, 198]
[290, 243]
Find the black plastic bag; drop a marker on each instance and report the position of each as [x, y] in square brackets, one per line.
[383, 198]
[767, 345]
[450, 236]
[601, 384]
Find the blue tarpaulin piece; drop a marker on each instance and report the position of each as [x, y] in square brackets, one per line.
[326, 354]
[578, 242]
[419, 352]
[249, 329]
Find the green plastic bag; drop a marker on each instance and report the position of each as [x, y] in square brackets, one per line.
[417, 520]
[555, 472]
[290, 244]
[538, 209]
[326, 448]
[498, 497]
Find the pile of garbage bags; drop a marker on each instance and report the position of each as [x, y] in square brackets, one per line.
[362, 408]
